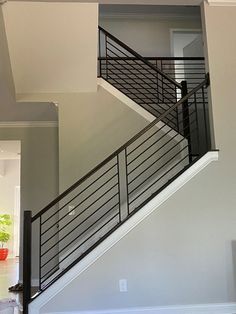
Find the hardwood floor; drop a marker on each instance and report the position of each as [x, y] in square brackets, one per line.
[9, 274]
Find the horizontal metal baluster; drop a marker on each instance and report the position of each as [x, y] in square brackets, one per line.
[156, 170]
[111, 71]
[159, 148]
[80, 234]
[148, 138]
[138, 63]
[142, 105]
[115, 47]
[153, 163]
[152, 154]
[127, 76]
[76, 206]
[86, 239]
[83, 211]
[78, 195]
[77, 226]
[159, 178]
[147, 148]
[154, 75]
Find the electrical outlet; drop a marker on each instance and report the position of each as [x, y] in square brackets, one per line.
[71, 210]
[123, 285]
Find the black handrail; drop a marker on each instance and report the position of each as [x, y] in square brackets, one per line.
[124, 146]
[138, 56]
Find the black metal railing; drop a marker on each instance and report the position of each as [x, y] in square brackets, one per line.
[189, 69]
[78, 220]
[141, 80]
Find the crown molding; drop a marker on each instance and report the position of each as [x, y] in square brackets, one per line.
[224, 3]
[29, 124]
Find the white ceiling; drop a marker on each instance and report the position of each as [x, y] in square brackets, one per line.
[9, 150]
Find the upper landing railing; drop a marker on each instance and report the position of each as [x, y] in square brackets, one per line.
[153, 83]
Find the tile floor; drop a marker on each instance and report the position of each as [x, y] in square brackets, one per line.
[9, 272]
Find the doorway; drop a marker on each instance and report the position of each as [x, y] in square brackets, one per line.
[187, 44]
[10, 158]
[183, 38]
[187, 50]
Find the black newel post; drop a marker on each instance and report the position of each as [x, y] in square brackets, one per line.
[26, 260]
[186, 124]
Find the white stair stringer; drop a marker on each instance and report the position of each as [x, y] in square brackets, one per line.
[117, 235]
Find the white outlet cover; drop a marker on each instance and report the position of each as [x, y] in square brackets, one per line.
[123, 285]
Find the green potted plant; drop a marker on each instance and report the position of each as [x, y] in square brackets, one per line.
[5, 222]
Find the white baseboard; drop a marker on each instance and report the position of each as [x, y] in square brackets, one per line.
[213, 308]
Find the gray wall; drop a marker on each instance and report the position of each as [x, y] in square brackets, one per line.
[184, 252]
[91, 127]
[149, 36]
[39, 168]
[181, 254]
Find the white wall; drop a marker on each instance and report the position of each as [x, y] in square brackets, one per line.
[8, 182]
[183, 39]
[52, 46]
[149, 36]
[184, 253]
[10, 110]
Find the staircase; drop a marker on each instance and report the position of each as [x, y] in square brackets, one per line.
[96, 206]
